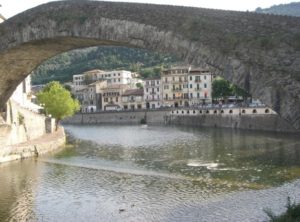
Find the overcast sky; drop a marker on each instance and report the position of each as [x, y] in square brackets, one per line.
[12, 7]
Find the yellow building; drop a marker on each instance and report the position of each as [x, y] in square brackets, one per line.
[186, 86]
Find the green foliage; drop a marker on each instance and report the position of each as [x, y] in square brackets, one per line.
[139, 85]
[292, 213]
[57, 101]
[221, 88]
[237, 91]
[62, 67]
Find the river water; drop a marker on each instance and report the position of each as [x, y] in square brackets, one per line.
[154, 173]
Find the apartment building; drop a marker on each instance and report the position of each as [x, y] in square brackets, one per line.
[90, 97]
[111, 96]
[132, 99]
[80, 81]
[152, 93]
[186, 86]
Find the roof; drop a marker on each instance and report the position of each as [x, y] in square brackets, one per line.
[114, 86]
[133, 92]
[93, 71]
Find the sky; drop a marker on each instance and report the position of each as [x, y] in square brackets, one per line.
[12, 7]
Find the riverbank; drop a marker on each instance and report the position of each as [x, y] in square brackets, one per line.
[42, 145]
[249, 119]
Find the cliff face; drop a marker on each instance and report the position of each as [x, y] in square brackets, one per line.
[260, 53]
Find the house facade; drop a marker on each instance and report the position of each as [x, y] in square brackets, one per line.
[186, 86]
[152, 93]
[133, 99]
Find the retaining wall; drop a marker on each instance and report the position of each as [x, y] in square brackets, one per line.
[36, 147]
[247, 120]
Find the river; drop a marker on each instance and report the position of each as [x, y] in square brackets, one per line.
[154, 173]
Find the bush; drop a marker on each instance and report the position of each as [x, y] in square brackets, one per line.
[292, 213]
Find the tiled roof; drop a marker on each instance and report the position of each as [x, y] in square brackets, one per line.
[133, 92]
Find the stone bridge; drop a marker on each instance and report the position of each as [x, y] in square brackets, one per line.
[258, 52]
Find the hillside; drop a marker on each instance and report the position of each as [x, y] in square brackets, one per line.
[63, 66]
[292, 9]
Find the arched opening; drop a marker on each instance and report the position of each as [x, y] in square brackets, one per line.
[39, 39]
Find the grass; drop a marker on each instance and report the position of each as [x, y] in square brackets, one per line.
[292, 213]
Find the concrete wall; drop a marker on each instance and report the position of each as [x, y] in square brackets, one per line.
[152, 117]
[258, 121]
[36, 147]
[21, 125]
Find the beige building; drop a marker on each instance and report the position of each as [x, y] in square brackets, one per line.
[186, 86]
[152, 93]
[133, 99]
[91, 97]
[111, 96]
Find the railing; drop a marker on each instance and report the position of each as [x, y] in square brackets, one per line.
[176, 90]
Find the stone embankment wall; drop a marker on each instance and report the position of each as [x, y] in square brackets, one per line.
[24, 133]
[152, 117]
[215, 118]
[21, 125]
[36, 147]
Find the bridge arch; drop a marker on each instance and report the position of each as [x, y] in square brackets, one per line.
[260, 53]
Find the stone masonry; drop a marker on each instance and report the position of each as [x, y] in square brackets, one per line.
[258, 52]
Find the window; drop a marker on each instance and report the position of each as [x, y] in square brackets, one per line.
[191, 95]
[157, 82]
[157, 89]
[205, 85]
[191, 78]
[117, 99]
[198, 95]
[191, 86]
[204, 77]
[173, 96]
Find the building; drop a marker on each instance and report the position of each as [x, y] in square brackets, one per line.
[200, 86]
[111, 96]
[152, 93]
[90, 97]
[186, 86]
[175, 87]
[80, 81]
[133, 99]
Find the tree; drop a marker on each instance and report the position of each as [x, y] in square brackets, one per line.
[57, 101]
[237, 91]
[221, 88]
[139, 85]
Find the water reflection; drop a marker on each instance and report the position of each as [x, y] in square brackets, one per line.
[129, 173]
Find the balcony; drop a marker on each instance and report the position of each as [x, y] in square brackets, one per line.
[198, 89]
[177, 90]
[152, 93]
[198, 80]
[152, 99]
